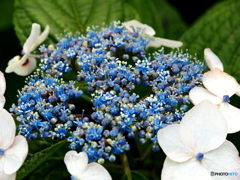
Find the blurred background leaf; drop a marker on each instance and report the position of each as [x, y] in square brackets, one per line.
[6, 14]
[172, 23]
[218, 29]
[37, 159]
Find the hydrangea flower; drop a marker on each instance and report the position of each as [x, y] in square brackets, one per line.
[198, 145]
[26, 64]
[156, 42]
[219, 88]
[110, 61]
[13, 150]
[78, 167]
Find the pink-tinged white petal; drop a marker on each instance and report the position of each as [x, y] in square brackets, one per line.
[157, 42]
[220, 83]
[41, 38]
[35, 32]
[223, 159]
[76, 162]
[4, 176]
[232, 116]
[136, 25]
[207, 128]
[2, 101]
[2, 83]
[212, 60]
[27, 68]
[189, 170]
[95, 171]
[7, 129]
[16, 62]
[170, 140]
[198, 94]
[15, 155]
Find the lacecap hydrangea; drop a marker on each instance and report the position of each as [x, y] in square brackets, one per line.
[111, 62]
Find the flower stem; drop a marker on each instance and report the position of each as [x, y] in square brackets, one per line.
[126, 167]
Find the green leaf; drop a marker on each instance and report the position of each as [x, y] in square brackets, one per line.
[219, 30]
[76, 15]
[172, 23]
[37, 159]
[135, 176]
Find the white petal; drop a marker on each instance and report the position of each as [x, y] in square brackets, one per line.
[135, 25]
[41, 38]
[2, 83]
[2, 101]
[16, 62]
[35, 32]
[15, 155]
[207, 128]
[232, 116]
[238, 91]
[212, 60]
[4, 176]
[220, 83]
[76, 163]
[7, 129]
[95, 171]
[27, 68]
[189, 170]
[198, 94]
[223, 159]
[169, 138]
[157, 42]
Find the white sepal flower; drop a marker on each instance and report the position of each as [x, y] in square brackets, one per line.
[156, 42]
[78, 167]
[13, 150]
[198, 145]
[219, 88]
[26, 64]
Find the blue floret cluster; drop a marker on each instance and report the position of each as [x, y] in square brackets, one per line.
[112, 62]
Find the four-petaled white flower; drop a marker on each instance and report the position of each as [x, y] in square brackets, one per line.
[13, 150]
[149, 31]
[26, 64]
[198, 146]
[219, 88]
[78, 167]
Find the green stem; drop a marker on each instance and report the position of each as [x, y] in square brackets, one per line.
[126, 167]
